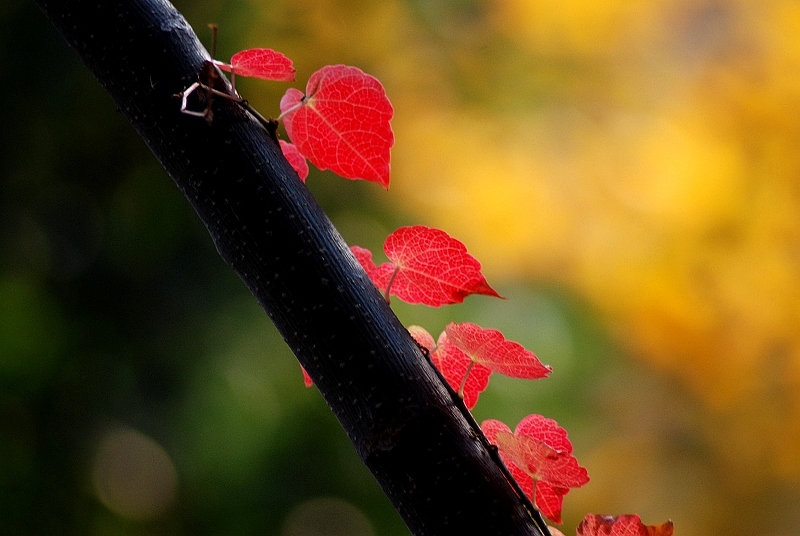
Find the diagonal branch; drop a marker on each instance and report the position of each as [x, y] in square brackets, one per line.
[439, 475]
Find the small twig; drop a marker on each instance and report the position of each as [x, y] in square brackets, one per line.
[185, 100]
[209, 77]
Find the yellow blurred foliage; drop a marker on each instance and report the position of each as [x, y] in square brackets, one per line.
[667, 194]
[571, 26]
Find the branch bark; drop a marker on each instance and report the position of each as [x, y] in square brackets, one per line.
[268, 228]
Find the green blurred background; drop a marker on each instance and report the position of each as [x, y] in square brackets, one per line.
[627, 171]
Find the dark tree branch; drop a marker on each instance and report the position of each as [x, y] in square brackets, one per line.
[268, 228]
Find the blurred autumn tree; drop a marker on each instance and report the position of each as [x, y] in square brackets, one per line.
[626, 171]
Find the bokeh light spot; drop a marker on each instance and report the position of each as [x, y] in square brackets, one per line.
[326, 516]
[132, 475]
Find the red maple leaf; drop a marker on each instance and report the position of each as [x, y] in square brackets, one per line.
[427, 266]
[465, 377]
[625, 525]
[263, 63]
[342, 123]
[490, 348]
[297, 160]
[539, 457]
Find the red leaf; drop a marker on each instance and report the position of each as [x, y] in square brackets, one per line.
[297, 160]
[432, 267]
[429, 267]
[379, 275]
[422, 337]
[538, 454]
[306, 378]
[492, 428]
[544, 463]
[546, 430]
[263, 63]
[467, 354]
[625, 525]
[550, 500]
[466, 378]
[364, 258]
[490, 348]
[557, 466]
[342, 123]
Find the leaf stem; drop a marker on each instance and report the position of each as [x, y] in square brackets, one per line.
[389, 284]
[292, 109]
[464, 379]
[270, 125]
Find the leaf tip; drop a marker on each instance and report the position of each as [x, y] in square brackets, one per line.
[307, 381]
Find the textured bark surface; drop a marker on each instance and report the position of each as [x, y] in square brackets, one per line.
[269, 229]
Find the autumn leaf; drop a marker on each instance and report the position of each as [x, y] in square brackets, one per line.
[342, 123]
[296, 160]
[427, 266]
[625, 525]
[432, 268]
[379, 275]
[466, 378]
[490, 348]
[454, 365]
[364, 258]
[539, 457]
[550, 500]
[263, 63]
[422, 337]
[467, 354]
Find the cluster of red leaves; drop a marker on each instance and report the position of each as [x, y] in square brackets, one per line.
[467, 354]
[539, 456]
[627, 525]
[430, 267]
[342, 123]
